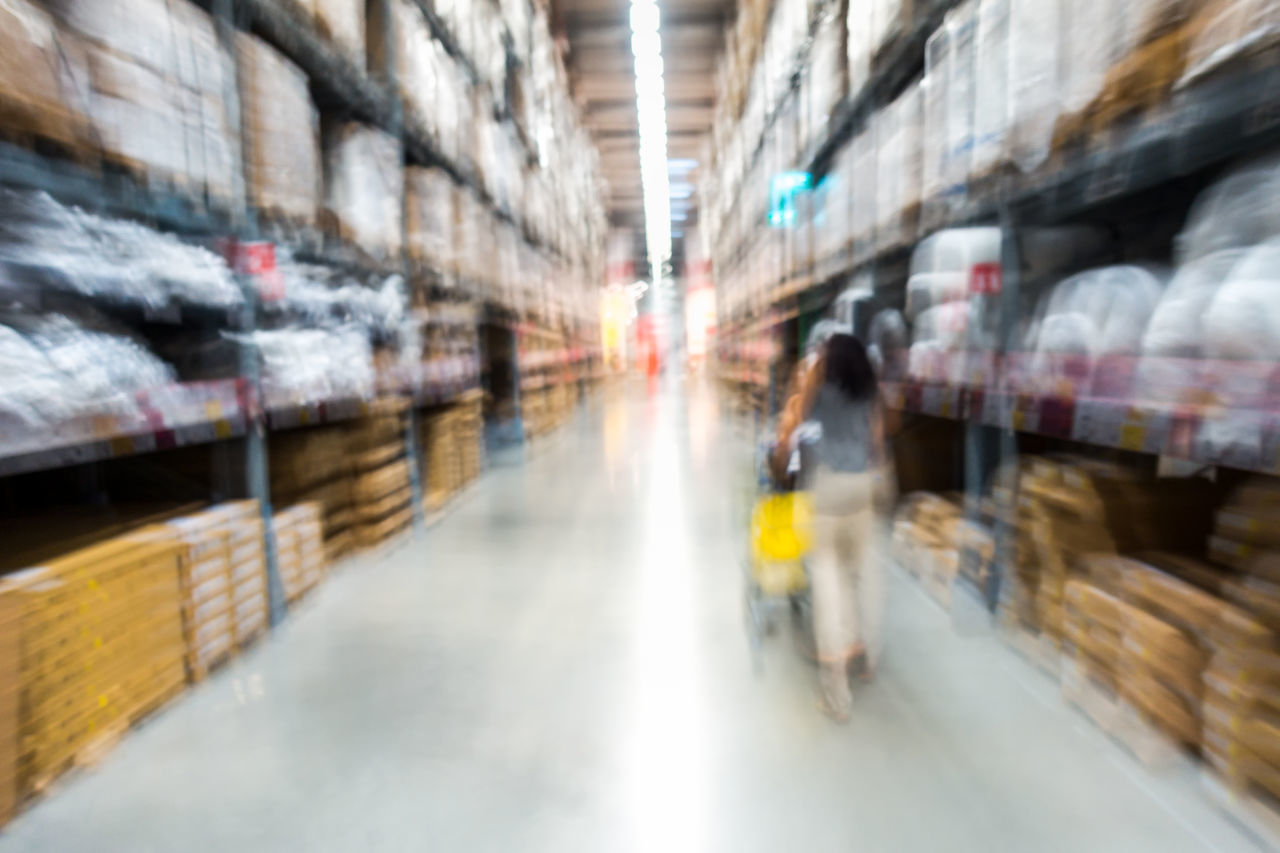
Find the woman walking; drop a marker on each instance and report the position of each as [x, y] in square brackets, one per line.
[845, 468]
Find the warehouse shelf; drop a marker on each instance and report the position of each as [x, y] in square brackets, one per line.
[1242, 437]
[902, 62]
[178, 415]
[337, 81]
[443, 35]
[99, 189]
[1206, 125]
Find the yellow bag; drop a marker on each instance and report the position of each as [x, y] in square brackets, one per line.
[781, 535]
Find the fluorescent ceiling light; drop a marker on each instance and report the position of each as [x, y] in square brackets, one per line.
[651, 116]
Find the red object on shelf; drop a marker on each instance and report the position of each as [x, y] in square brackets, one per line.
[986, 278]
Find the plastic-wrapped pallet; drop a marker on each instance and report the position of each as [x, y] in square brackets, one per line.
[991, 90]
[1093, 40]
[152, 75]
[1151, 54]
[342, 22]
[281, 134]
[826, 74]
[1090, 327]
[364, 187]
[1228, 32]
[1035, 100]
[418, 56]
[935, 88]
[863, 219]
[34, 94]
[429, 216]
[957, 157]
[898, 169]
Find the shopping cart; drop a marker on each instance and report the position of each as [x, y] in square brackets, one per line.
[779, 526]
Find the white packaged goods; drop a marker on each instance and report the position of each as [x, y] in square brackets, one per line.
[991, 97]
[831, 206]
[364, 187]
[417, 60]
[898, 168]
[64, 248]
[1176, 328]
[888, 19]
[1099, 312]
[156, 109]
[429, 222]
[864, 186]
[1035, 29]
[934, 88]
[1240, 210]
[342, 21]
[942, 266]
[281, 133]
[138, 29]
[958, 155]
[1229, 31]
[858, 47]
[1244, 319]
[34, 94]
[1093, 40]
[825, 77]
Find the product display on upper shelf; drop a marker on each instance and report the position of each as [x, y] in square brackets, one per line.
[1049, 110]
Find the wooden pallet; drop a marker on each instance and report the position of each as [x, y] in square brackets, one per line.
[1121, 721]
[1253, 809]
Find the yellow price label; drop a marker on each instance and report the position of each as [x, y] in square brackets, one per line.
[213, 409]
[946, 408]
[304, 416]
[222, 429]
[1019, 419]
[121, 446]
[1133, 436]
[102, 701]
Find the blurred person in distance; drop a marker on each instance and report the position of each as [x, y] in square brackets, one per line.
[837, 423]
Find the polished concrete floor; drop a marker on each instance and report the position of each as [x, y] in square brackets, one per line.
[560, 665]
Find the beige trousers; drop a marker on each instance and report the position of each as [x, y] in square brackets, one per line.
[845, 576]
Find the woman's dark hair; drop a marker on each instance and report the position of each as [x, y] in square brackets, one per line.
[849, 369]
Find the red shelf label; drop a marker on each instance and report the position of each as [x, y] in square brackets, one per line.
[986, 278]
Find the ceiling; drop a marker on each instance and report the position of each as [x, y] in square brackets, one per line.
[603, 82]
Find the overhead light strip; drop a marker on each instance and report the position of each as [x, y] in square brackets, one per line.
[651, 115]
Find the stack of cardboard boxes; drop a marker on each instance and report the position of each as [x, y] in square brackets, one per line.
[452, 442]
[281, 131]
[1242, 683]
[102, 646]
[207, 604]
[300, 550]
[152, 77]
[926, 541]
[1068, 509]
[381, 491]
[10, 688]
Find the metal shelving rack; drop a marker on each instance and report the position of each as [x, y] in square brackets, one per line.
[1203, 127]
[235, 409]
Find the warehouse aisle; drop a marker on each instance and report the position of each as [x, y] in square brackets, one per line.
[560, 665]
